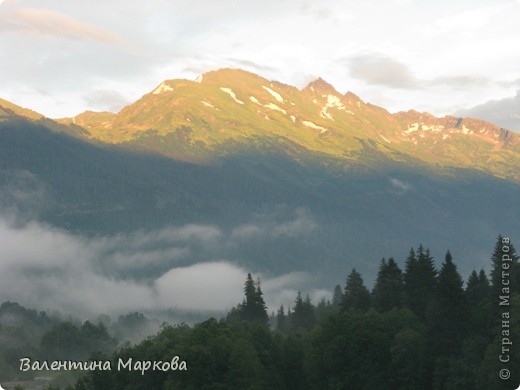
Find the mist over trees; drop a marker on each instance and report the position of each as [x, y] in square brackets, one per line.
[418, 328]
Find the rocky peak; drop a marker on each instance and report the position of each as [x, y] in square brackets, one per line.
[320, 86]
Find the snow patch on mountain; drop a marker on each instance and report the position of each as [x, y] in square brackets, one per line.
[332, 101]
[421, 126]
[432, 128]
[273, 106]
[324, 114]
[207, 104]
[411, 128]
[384, 138]
[466, 131]
[275, 94]
[162, 88]
[230, 92]
[313, 125]
[199, 79]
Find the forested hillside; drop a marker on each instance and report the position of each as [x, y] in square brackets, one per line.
[418, 328]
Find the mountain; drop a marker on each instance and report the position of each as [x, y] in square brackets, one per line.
[292, 180]
[9, 110]
[230, 109]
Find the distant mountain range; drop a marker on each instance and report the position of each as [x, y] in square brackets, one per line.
[232, 149]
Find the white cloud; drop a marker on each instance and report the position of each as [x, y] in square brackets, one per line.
[103, 99]
[44, 22]
[401, 186]
[382, 70]
[203, 286]
[22, 193]
[299, 224]
[503, 112]
[247, 231]
[67, 52]
[175, 267]
[303, 224]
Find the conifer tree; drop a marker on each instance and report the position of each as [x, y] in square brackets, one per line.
[477, 287]
[389, 287]
[420, 280]
[337, 297]
[281, 320]
[410, 279]
[260, 306]
[253, 307]
[449, 315]
[356, 294]
[303, 317]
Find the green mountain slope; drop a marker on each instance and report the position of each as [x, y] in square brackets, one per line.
[8, 109]
[199, 120]
[321, 217]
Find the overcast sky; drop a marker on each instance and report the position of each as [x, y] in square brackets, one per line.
[61, 57]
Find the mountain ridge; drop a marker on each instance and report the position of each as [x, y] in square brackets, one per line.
[8, 109]
[205, 118]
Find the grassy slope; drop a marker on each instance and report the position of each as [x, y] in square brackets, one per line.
[8, 109]
[179, 123]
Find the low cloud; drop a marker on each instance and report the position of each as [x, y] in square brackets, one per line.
[401, 186]
[102, 99]
[503, 112]
[251, 65]
[203, 286]
[190, 267]
[379, 69]
[22, 194]
[301, 224]
[247, 231]
[461, 81]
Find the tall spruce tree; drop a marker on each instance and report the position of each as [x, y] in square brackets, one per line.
[449, 316]
[253, 307]
[337, 297]
[303, 316]
[388, 290]
[281, 320]
[410, 279]
[477, 287]
[261, 307]
[356, 295]
[420, 280]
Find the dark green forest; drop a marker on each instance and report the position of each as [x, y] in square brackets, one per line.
[420, 327]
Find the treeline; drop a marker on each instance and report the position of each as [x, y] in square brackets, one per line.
[28, 333]
[419, 328]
